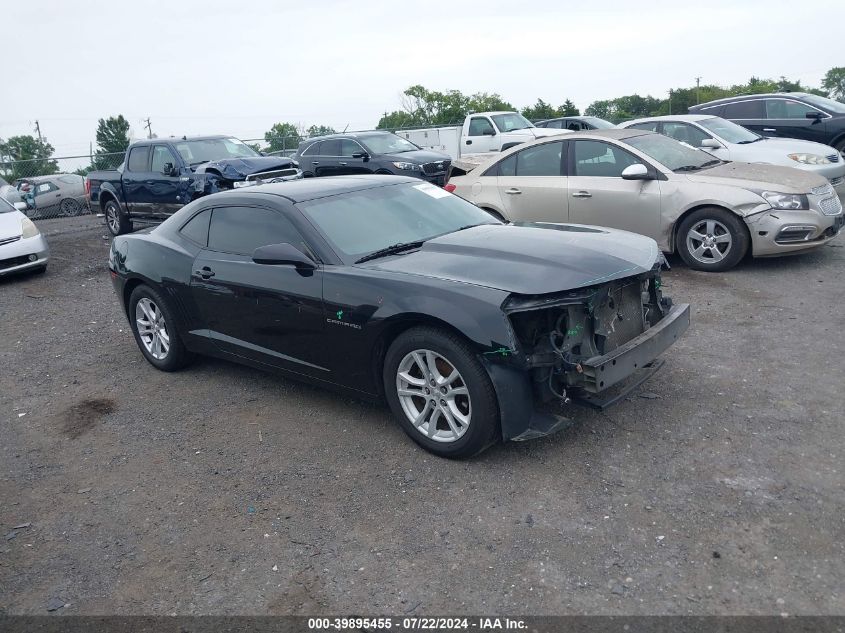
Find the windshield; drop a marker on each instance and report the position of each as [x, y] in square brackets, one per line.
[361, 222]
[511, 121]
[599, 124]
[202, 151]
[823, 102]
[728, 130]
[387, 144]
[670, 153]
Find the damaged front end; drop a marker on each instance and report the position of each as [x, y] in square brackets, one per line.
[579, 344]
[222, 175]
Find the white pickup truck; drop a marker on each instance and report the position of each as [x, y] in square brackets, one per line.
[480, 133]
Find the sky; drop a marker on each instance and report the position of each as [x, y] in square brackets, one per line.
[236, 68]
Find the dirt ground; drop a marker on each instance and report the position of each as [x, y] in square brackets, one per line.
[716, 488]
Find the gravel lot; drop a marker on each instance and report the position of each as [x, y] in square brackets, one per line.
[716, 488]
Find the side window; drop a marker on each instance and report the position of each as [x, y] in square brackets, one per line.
[45, 187]
[651, 126]
[480, 126]
[744, 110]
[506, 167]
[349, 147]
[684, 133]
[555, 124]
[594, 158]
[575, 126]
[787, 109]
[161, 156]
[196, 228]
[138, 158]
[243, 229]
[312, 150]
[330, 148]
[540, 160]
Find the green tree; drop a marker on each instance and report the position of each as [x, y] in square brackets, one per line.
[320, 130]
[601, 109]
[37, 154]
[112, 138]
[282, 136]
[421, 106]
[538, 111]
[834, 83]
[568, 109]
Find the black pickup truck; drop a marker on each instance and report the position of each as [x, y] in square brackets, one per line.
[160, 176]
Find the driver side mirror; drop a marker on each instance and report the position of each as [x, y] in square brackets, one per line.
[170, 170]
[637, 171]
[283, 255]
[20, 206]
[363, 155]
[711, 143]
[813, 115]
[489, 132]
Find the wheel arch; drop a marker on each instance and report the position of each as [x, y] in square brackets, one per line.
[392, 330]
[673, 245]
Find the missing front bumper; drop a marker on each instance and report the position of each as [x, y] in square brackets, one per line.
[602, 372]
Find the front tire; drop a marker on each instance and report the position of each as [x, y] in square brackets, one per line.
[440, 393]
[70, 207]
[116, 219]
[154, 327]
[712, 240]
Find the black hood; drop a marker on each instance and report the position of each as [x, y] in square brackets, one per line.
[240, 168]
[419, 156]
[529, 258]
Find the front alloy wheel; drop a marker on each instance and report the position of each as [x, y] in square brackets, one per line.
[709, 241]
[152, 328]
[433, 396]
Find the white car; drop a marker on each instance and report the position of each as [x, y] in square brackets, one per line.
[22, 247]
[729, 141]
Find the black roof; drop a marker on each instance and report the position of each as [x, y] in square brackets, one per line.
[313, 188]
[175, 139]
[747, 97]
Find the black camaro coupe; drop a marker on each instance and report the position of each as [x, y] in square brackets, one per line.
[385, 286]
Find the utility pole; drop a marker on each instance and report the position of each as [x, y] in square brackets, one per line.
[697, 90]
[149, 127]
[38, 131]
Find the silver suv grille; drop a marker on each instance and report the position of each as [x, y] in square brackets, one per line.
[831, 206]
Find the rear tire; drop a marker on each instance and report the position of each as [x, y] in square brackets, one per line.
[455, 413]
[712, 240]
[70, 207]
[154, 327]
[116, 219]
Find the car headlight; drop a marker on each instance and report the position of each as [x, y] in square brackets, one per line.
[809, 159]
[786, 201]
[406, 166]
[28, 228]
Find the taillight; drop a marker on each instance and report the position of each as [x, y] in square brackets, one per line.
[450, 187]
[87, 186]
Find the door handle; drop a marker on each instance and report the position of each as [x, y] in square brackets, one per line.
[315, 162]
[469, 142]
[151, 182]
[769, 129]
[513, 191]
[205, 273]
[582, 194]
[343, 163]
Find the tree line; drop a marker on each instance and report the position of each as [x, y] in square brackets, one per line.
[418, 107]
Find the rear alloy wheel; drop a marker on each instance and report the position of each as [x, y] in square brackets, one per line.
[155, 330]
[70, 207]
[712, 240]
[116, 220]
[440, 393]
